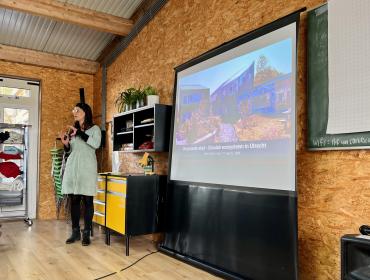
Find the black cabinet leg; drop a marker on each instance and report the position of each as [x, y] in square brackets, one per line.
[92, 230]
[127, 245]
[107, 236]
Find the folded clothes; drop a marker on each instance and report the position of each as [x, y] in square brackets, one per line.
[14, 137]
[9, 156]
[5, 186]
[12, 150]
[9, 169]
[147, 121]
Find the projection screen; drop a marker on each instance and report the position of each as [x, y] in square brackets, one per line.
[234, 118]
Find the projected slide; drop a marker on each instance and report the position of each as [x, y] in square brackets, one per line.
[235, 115]
[250, 104]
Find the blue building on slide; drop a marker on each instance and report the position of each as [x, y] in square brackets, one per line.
[238, 97]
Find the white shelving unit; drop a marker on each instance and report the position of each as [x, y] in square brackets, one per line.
[14, 191]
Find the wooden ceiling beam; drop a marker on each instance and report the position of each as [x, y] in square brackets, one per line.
[37, 58]
[72, 14]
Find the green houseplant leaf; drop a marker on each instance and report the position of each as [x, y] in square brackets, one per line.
[125, 97]
[149, 90]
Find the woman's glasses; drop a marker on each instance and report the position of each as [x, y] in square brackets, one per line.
[76, 110]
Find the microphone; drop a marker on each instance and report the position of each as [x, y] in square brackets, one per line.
[68, 135]
[365, 230]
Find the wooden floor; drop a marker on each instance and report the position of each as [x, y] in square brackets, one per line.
[40, 252]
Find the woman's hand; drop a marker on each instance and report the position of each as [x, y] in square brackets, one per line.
[64, 138]
[73, 129]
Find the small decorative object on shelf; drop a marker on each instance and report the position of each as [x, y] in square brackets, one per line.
[147, 162]
[127, 147]
[150, 120]
[151, 95]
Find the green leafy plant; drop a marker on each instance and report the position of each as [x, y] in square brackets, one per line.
[125, 97]
[119, 102]
[138, 96]
[132, 92]
[149, 90]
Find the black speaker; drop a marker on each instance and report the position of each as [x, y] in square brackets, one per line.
[355, 257]
[82, 95]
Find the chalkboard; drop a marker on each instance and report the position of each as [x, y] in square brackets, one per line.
[318, 90]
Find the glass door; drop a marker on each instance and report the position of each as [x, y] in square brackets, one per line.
[19, 104]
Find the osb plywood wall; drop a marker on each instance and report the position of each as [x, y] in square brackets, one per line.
[59, 94]
[333, 186]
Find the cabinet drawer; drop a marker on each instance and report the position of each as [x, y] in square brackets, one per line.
[99, 218]
[101, 183]
[116, 185]
[116, 212]
[100, 195]
[99, 206]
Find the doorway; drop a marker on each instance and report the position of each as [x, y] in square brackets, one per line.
[19, 104]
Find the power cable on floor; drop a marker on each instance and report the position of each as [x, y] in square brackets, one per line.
[127, 267]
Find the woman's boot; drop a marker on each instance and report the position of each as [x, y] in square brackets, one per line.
[76, 235]
[86, 237]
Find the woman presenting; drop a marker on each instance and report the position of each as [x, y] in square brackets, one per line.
[80, 175]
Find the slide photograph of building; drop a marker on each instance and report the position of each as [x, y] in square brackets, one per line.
[247, 98]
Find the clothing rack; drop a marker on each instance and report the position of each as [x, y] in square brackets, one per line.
[13, 172]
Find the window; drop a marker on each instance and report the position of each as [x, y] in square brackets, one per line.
[14, 92]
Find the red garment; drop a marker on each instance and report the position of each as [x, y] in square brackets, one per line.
[9, 169]
[9, 156]
[148, 145]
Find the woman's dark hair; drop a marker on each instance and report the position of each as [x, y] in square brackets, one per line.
[88, 122]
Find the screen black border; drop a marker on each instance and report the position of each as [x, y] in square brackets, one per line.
[249, 36]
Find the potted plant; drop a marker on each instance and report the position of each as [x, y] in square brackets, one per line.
[151, 95]
[133, 96]
[139, 97]
[124, 100]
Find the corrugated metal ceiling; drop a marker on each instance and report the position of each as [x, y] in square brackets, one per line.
[38, 33]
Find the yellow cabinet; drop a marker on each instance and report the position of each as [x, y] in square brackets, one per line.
[101, 182]
[116, 184]
[99, 206]
[100, 195]
[99, 218]
[129, 204]
[116, 203]
[116, 212]
[99, 201]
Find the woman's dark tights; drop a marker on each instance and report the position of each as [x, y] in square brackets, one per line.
[76, 208]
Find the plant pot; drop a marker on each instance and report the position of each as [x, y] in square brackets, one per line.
[127, 107]
[152, 99]
[140, 103]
